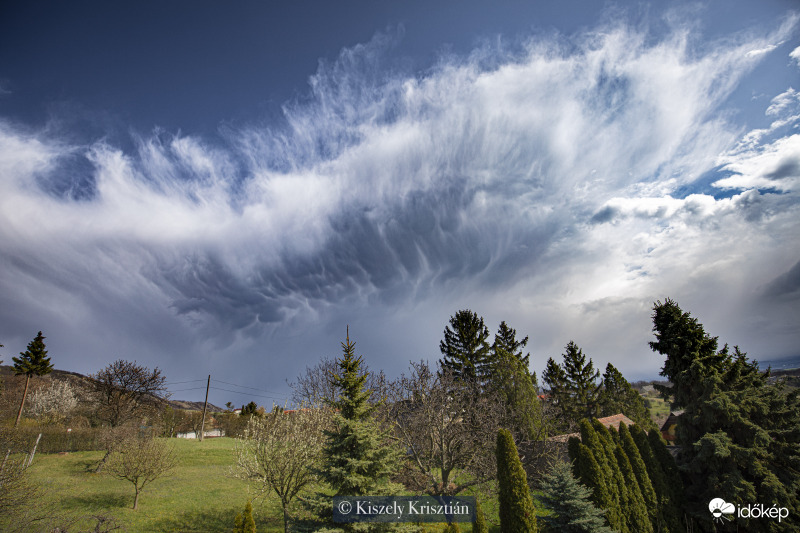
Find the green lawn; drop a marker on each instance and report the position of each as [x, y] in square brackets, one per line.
[200, 495]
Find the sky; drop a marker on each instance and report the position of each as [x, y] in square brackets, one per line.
[223, 188]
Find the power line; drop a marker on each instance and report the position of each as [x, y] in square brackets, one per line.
[249, 394]
[180, 382]
[183, 390]
[245, 387]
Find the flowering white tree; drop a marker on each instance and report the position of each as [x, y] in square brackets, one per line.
[280, 451]
[51, 404]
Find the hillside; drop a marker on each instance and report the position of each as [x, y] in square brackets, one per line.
[81, 382]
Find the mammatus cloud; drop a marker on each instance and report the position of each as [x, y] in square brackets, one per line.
[547, 171]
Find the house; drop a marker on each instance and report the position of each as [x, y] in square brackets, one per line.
[608, 421]
[669, 426]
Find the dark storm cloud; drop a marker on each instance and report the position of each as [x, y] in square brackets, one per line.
[787, 285]
[485, 182]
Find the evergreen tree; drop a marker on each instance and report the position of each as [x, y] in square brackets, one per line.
[617, 396]
[669, 515]
[640, 472]
[635, 510]
[506, 339]
[479, 525]
[33, 362]
[245, 523]
[517, 514]
[513, 382]
[248, 522]
[558, 393]
[570, 503]
[604, 445]
[587, 470]
[466, 353]
[583, 381]
[452, 527]
[574, 389]
[739, 435]
[669, 468]
[357, 461]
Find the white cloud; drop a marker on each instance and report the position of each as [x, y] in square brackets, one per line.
[795, 54]
[413, 192]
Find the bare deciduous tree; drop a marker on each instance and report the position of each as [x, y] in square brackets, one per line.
[124, 390]
[280, 451]
[448, 427]
[314, 386]
[141, 460]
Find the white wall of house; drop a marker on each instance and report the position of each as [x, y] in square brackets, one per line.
[193, 435]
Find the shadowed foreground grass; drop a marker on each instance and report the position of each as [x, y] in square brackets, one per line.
[199, 496]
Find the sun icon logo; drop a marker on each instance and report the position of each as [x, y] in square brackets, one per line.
[719, 508]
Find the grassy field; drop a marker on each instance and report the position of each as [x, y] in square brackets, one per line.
[200, 495]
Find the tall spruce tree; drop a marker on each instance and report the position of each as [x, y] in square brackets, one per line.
[517, 514]
[506, 339]
[618, 396]
[465, 350]
[32, 362]
[570, 503]
[357, 459]
[739, 434]
[573, 387]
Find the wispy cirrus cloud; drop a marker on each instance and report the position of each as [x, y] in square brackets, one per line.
[548, 169]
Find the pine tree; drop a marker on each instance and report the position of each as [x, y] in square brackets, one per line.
[357, 461]
[574, 389]
[466, 353]
[517, 514]
[33, 362]
[739, 434]
[583, 380]
[617, 396]
[570, 503]
[479, 525]
[506, 340]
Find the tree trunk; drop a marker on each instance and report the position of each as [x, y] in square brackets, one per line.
[136, 500]
[102, 462]
[24, 394]
[285, 517]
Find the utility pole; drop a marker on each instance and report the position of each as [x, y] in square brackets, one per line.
[205, 406]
